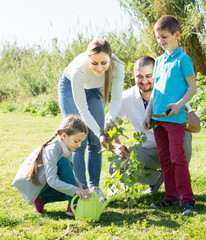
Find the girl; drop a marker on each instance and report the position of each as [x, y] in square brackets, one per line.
[46, 175]
[79, 92]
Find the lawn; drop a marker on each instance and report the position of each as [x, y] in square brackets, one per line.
[20, 134]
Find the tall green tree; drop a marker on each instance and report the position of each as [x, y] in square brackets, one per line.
[190, 13]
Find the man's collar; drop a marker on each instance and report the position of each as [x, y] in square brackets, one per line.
[137, 92]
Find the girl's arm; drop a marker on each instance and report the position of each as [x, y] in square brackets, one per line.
[50, 156]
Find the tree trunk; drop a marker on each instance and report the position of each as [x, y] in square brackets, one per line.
[193, 48]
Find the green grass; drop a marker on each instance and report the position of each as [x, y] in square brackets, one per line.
[20, 134]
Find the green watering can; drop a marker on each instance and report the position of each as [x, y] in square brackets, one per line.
[90, 208]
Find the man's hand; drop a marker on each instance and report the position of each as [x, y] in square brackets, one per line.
[146, 123]
[187, 113]
[122, 151]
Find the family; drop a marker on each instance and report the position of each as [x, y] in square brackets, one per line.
[58, 170]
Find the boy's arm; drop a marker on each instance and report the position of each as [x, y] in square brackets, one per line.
[188, 95]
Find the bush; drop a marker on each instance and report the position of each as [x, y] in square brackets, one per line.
[198, 102]
[42, 106]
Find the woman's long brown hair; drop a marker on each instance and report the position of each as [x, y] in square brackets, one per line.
[98, 46]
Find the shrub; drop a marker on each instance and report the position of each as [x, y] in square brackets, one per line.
[198, 102]
[42, 106]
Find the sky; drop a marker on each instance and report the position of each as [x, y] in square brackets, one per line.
[30, 22]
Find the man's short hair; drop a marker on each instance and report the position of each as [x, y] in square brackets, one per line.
[144, 61]
[167, 22]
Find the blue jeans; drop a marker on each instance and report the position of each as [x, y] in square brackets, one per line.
[65, 174]
[96, 108]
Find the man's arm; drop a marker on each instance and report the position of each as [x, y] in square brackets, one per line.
[193, 123]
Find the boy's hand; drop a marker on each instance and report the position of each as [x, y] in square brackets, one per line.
[175, 109]
[146, 123]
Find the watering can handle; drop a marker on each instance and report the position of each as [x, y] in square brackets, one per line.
[72, 202]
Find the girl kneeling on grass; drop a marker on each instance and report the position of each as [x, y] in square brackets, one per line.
[46, 175]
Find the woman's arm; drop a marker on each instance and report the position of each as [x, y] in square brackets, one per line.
[81, 103]
[118, 75]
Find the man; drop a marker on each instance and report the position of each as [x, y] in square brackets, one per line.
[133, 106]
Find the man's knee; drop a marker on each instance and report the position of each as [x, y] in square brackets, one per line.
[188, 145]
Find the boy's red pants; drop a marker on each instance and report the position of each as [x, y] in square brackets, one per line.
[170, 138]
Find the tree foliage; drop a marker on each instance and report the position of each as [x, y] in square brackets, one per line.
[192, 17]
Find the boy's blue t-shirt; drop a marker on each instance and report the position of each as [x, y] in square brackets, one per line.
[170, 83]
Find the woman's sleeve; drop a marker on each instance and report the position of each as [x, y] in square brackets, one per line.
[117, 87]
[50, 157]
[81, 103]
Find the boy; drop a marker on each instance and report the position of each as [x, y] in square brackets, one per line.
[174, 86]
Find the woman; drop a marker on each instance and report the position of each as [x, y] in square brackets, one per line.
[79, 92]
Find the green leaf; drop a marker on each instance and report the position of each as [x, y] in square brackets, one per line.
[132, 156]
[120, 121]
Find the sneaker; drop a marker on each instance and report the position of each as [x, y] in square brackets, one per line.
[69, 211]
[39, 205]
[155, 187]
[188, 208]
[165, 203]
[99, 193]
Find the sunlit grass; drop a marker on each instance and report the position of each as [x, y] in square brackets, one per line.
[20, 134]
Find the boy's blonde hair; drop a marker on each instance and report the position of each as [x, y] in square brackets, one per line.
[71, 125]
[167, 22]
[98, 46]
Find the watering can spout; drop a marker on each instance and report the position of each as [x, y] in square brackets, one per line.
[117, 197]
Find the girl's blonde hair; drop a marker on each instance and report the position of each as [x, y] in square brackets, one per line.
[98, 46]
[71, 125]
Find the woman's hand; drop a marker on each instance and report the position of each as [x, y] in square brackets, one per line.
[103, 140]
[83, 194]
[108, 124]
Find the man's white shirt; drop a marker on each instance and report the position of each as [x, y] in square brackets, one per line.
[132, 107]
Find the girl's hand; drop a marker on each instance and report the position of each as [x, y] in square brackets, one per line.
[146, 123]
[83, 194]
[175, 109]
